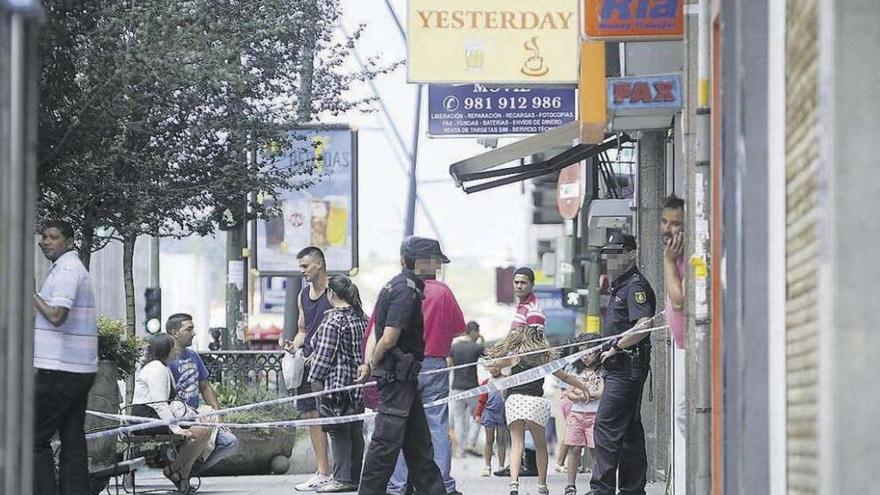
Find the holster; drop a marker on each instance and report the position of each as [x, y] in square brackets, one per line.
[397, 366]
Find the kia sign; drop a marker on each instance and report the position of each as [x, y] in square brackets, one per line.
[477, 110]
[631, 20]
[652, 94]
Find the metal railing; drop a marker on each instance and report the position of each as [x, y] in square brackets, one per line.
[246, 368]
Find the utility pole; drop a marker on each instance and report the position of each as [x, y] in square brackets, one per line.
[412, 194]
[19, 71]
[697, 153]
[293, 285]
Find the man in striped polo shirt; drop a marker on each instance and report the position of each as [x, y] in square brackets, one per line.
[66, 360]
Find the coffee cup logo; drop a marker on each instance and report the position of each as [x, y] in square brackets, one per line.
[534, 65]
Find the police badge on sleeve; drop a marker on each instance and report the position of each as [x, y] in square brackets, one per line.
[641, 297]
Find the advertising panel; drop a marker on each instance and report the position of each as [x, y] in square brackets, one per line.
[493, 41]
[323, 214]
[634, 19]
[476, 110]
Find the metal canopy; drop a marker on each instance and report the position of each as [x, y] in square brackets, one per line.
[477, 168]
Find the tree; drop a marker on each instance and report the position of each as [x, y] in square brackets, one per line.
[150, 109]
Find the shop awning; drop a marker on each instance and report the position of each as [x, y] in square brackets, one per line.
[478, 173]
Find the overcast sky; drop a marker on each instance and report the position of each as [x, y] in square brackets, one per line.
[487, 227]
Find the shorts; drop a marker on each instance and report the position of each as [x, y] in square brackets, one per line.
[528, 408]
[145, 411]
[579, 429]
[309, 404]
[566, 407]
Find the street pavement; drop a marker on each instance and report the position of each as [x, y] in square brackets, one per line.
[465, 471]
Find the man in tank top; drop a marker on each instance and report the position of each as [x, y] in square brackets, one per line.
[312, 304]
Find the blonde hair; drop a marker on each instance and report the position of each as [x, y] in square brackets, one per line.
[521, 340]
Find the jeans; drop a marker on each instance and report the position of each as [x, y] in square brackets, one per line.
[431, 388]
[60, 401]
[400, 425]
[466, 428]
[347, 445]
[225, 445]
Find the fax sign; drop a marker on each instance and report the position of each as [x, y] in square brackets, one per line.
[653, 94]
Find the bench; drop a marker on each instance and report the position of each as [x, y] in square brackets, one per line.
[99, 478]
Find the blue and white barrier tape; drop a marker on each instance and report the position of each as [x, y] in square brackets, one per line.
[498, 385]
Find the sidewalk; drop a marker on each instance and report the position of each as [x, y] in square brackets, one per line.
[465, 471]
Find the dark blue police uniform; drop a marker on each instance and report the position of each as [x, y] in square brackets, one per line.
[618, 433]
[401, 422]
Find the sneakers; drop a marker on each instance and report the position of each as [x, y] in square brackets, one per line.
[571, 490]
[315, 482]
[559, 468]
[334, 486]
[487, 471]
[503, 472]
[514, 488]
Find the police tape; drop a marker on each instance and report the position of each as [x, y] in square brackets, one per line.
[502, 384]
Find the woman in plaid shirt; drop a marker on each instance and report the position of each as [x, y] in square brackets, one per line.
[335, 360]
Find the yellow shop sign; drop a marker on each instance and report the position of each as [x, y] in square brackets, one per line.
[493, 41]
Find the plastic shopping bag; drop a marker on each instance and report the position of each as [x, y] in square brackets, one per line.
[292, 366]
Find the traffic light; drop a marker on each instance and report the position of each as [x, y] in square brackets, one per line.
[153, 310]
[575, 298]
[545, 210]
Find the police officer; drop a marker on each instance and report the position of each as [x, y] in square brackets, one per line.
[618, 433]
[394, 362]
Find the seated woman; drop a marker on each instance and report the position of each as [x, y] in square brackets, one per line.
[153, 392]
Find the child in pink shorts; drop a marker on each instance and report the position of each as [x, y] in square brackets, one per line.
[579, 425]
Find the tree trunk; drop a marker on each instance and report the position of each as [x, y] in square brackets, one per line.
[128, 275]
[85, 247]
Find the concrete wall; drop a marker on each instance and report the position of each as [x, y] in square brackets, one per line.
[745, 257]
[847, 189]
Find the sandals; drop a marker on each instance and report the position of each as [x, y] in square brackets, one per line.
[181, 483]
[542, 490]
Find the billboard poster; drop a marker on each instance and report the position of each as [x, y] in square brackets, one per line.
[477, 110]
[493, 41]
[324, 214]
[561, 321]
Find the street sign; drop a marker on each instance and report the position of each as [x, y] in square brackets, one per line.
[320, 209]
[570, 190]
[478, 110]
[492, 41]
[631, 20]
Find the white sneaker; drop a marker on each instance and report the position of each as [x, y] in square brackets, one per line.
[559, 468]
[315, 482]
[487, 471]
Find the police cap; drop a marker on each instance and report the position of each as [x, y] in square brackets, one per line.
[619, 242]
[415, 247]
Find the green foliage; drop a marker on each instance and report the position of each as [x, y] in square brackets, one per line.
[242, 395]
[114, 345]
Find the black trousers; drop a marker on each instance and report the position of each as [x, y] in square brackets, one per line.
[619, 434]
[60, 400]
[401, 424]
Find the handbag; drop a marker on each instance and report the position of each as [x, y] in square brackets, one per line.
[337, 405]
[292, 368]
